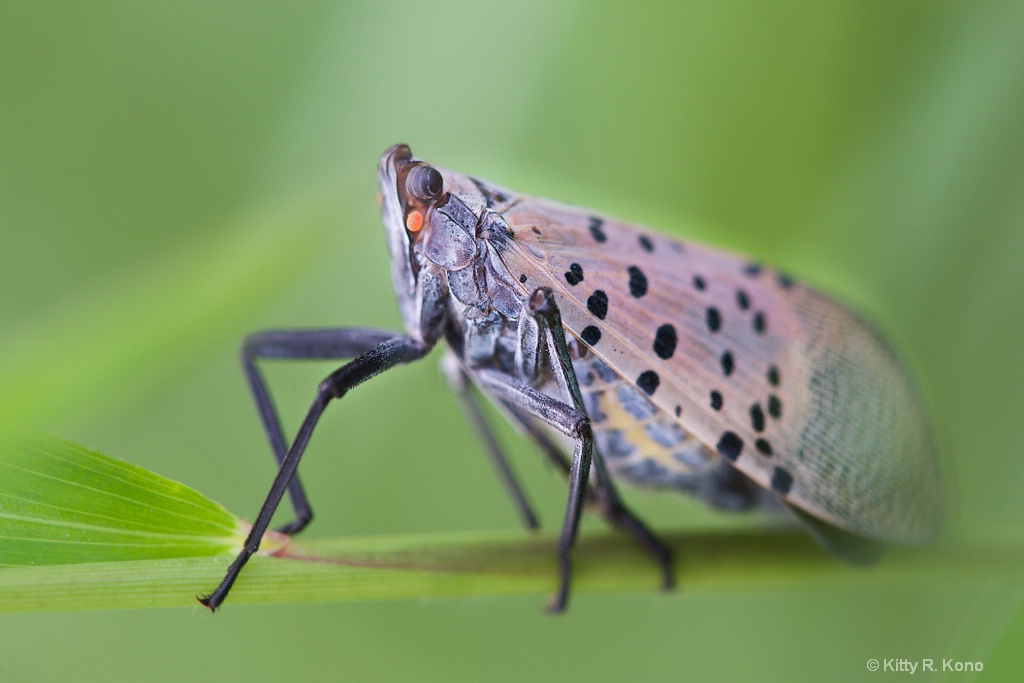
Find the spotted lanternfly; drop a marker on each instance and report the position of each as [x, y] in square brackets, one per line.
[664, 363]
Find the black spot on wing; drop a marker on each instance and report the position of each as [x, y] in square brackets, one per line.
[742, 300]
[645, 243]
[597, 229]
[727, 362]
[782, 481]
[757, 417]
[716, 400]
[774, 406]
[598, 304]
[591, 335]
[730, 446]
[713, 319]
[759, 323]
[648, 382]
[665, 340]
[763, 447]
[773, 375]
[574, 275]
[637, 282]
[698, 283]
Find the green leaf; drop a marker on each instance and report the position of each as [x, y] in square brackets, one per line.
[61, 503]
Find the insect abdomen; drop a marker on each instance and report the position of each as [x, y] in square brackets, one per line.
[648, 447]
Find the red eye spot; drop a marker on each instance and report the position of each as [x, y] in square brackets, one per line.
[414, 221]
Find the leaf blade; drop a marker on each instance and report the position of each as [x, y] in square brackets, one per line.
[62, 503]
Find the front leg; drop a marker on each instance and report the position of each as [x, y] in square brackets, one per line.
[324, 344]
[391, 352]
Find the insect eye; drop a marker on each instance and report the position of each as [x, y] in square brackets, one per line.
[424, 183]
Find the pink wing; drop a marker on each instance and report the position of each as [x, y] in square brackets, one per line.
[798, 392]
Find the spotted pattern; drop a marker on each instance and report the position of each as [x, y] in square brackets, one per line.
[648, 382]
[713, 319]
[782, 481]
[716, 400]
[757, 417]
[727, 362]
[758, 322]
[598, 304]
[665, 340]
[637, 282]
[730, 446]
[591, 335]
[523, 278]
[641, 442]
[574, 275]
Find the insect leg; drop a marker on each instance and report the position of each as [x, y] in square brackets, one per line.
[545, 310]
[574, 424]
[543, 441]
[333, 344]
[394, 351]
[616, 514]
[459, 383]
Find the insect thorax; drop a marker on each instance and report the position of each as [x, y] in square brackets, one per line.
[640, 442]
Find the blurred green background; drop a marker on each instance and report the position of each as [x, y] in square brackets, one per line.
[174, 176]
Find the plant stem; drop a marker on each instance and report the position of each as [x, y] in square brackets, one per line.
[488, 564]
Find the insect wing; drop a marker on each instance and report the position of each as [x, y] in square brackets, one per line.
[798, 392]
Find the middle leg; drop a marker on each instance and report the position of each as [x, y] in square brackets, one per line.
[545, 311]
